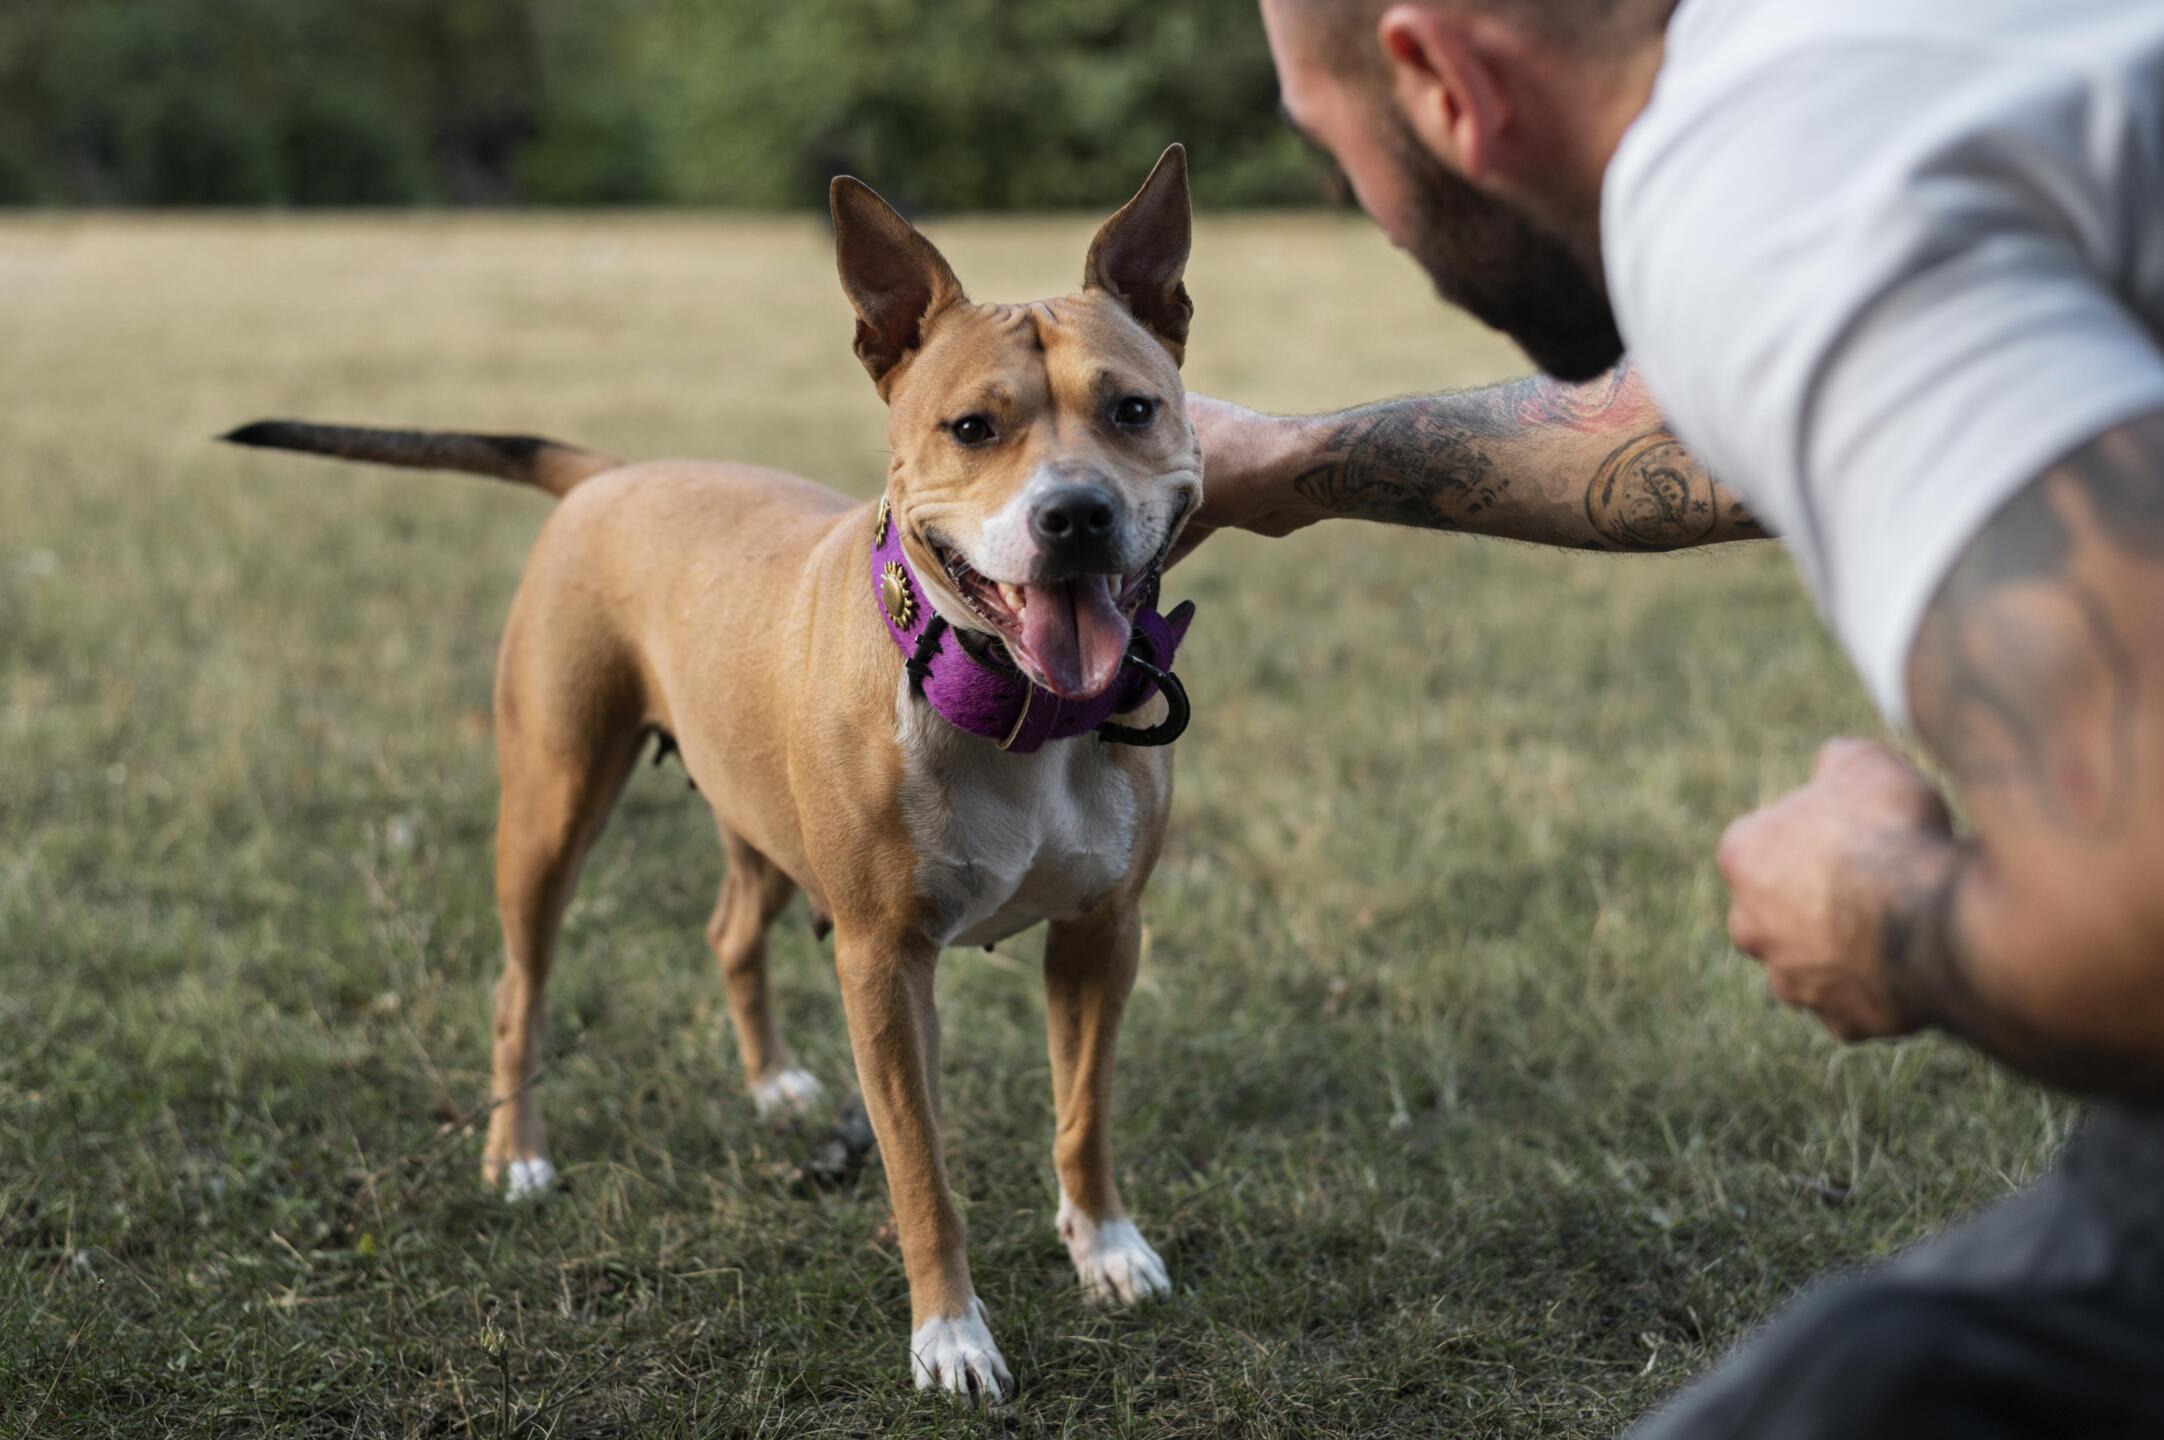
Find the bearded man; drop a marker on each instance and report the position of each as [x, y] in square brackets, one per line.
[1890, 274]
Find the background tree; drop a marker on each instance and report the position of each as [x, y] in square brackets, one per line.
[946, 104]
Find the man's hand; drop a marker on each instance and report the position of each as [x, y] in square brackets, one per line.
[1815, 875]
[1246, 473]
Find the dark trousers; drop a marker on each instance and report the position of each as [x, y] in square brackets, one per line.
[2043, 1316]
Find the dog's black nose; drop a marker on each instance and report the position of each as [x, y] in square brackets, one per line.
[1075, 524]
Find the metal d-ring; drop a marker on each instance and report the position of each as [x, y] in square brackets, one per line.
[1165, 731]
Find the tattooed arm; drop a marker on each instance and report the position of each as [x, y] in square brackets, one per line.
[2038, 679]
[1586, 467]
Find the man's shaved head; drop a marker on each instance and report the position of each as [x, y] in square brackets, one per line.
[1343, 31]
[1375, 105]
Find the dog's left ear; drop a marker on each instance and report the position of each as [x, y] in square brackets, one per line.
[1141, 253]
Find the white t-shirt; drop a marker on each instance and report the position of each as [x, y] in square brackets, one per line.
[1883, 262]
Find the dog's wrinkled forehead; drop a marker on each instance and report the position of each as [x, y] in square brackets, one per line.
[1048, 366]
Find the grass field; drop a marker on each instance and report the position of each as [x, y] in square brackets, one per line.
[1443, 1095]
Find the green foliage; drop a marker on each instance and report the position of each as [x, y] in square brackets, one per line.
[967, 103]
[339, 149]
[945, 104]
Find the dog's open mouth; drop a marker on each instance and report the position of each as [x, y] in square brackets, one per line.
[1067, 635]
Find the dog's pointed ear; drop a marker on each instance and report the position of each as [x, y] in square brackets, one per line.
[893, 276]
[1141, 253]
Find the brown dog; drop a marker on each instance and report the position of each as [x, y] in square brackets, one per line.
[1042, 468]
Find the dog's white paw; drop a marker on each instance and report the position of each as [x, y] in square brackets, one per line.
[959, 1356]
[528, 1179]
[787, 1093]
[1115, 1262]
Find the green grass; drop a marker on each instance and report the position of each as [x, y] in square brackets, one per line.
[1443, 1095]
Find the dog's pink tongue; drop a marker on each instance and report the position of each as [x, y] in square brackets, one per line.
[1075, 634]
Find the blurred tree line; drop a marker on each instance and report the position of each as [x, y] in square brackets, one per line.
[943, 104]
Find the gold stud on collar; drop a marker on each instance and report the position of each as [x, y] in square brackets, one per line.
[886, 511]
[895, 596]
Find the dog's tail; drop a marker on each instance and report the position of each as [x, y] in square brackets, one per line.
[522, 459]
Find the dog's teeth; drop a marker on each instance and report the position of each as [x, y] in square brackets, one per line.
[1013, 595]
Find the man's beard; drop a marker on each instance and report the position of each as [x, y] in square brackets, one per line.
[1509, 272]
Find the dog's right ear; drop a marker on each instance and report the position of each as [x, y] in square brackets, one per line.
[893, 276]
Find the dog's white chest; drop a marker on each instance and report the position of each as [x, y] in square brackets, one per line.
[1004, 841]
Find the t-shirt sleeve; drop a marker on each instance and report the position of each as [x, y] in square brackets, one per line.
[1953, 393]
[1878, 344]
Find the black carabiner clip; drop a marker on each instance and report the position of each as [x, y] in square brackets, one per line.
[1165, 731]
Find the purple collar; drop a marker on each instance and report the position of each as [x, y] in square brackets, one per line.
[997, 702]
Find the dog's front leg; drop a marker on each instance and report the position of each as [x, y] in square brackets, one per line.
[886, 988]
[1089, 968]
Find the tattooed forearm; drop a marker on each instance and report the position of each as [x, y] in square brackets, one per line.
[1425, 462]
[1584, 466]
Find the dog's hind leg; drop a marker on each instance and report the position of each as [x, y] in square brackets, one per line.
[1089, 969]
[562, 767]
[753, 892]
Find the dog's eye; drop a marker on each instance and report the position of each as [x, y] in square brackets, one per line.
[1134, 411]
[970, 430]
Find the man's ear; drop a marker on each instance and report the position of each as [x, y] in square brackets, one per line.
[1444, 75]
[1141, 253]
[893, 276]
